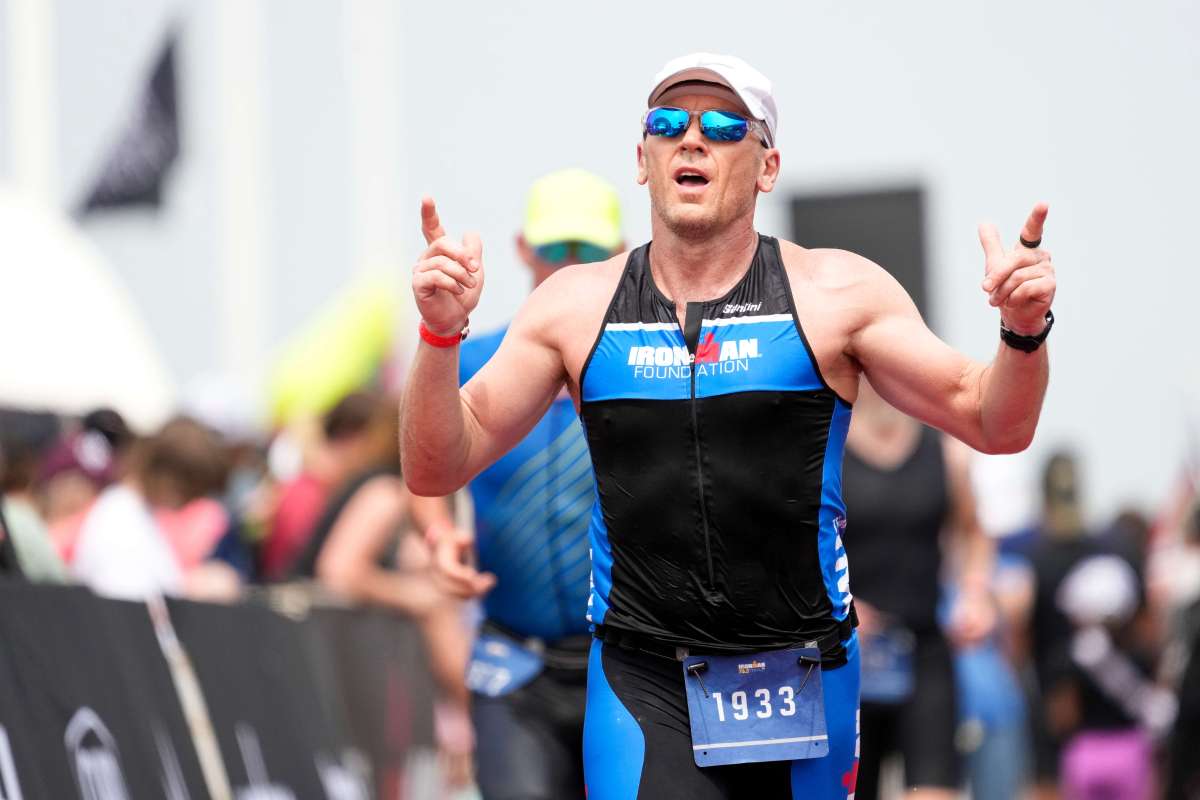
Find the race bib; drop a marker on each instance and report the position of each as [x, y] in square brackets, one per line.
[887, 666]
[759, 707]
[500, 666]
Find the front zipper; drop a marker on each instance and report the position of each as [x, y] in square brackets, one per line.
[691, 338]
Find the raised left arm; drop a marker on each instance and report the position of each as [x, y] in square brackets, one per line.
[995, 407]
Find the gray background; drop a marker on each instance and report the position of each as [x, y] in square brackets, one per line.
[1092, 106]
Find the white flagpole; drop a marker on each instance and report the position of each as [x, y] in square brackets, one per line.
[371, 33]
[32, 94]
[242, 195]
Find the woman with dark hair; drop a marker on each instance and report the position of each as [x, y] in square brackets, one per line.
[122, 551]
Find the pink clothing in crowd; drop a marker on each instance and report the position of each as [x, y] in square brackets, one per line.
[301, 502]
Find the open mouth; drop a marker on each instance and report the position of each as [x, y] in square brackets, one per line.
[690, 178]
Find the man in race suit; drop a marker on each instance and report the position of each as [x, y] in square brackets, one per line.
[714, 370]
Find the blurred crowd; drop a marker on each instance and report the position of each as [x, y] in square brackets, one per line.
[205, 508]
[1088, 684]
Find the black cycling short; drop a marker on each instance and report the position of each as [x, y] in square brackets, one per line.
[922, 728]
[529, 744]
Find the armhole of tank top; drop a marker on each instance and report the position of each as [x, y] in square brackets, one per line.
[604, 322]
[791, 301]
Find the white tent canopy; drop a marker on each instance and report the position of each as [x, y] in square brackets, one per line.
[71, 338]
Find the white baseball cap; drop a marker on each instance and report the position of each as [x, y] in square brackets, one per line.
[750, 85]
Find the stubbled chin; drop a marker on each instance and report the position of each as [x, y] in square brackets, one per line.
[686, 219]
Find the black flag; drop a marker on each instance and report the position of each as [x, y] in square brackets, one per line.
[136, 168]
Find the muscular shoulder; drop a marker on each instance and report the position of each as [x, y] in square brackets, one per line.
[563, 316]
[833, 270]
[837, 295]
[579, 287]
[568, 307]
[858, 288]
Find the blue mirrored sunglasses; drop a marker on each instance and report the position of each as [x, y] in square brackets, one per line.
[558, 253]
[717, 125]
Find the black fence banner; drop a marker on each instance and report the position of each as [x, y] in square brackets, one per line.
[338, 705]
[275, 730]
[87, 705]
[376, 665]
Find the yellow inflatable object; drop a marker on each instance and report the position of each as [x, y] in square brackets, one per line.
[342, 349]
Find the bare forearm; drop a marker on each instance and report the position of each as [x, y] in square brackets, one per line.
[408, 594]
[1012, 388]
[428, 512]
[449, 651]
[434, 441]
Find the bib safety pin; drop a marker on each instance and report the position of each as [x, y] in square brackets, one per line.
[694, 670]
[812, 662]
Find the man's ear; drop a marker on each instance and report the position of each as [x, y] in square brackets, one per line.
[526, 252]
[642, 174]
[770, 170]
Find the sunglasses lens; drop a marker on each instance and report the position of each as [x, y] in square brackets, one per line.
[554, 252]
[589, 253]
[723, 126]
[559, 252]
[665, 121]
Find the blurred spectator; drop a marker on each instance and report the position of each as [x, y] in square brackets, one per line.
[112, 426]
[905, 485]
[1183, 594]
[1129, 537]
[23, 439]
[346, 444]
[993, 729]
[72, 474]
[1120, 711]
[1098, 707]
[242, 509]
[363, 549]
[122, 550]
[191, 514]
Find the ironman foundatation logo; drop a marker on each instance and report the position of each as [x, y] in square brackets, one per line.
[712, 358]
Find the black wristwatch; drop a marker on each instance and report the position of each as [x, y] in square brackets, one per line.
[1026, 344]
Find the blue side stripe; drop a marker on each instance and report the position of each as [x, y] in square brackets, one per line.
[834, 566]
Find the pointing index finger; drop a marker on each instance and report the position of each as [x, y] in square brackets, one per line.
[431, 224]
[1032, 232]
[989, 237]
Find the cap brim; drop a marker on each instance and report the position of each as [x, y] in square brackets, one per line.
[572, 229]
[693, 74]
[719, 91]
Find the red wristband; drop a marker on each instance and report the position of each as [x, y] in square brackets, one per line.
[432, 338]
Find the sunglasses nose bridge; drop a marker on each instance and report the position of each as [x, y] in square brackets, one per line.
[692, 137]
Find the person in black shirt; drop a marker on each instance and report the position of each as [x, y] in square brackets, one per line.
[906, 486]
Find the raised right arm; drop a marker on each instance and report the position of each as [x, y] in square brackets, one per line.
[447, 434]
